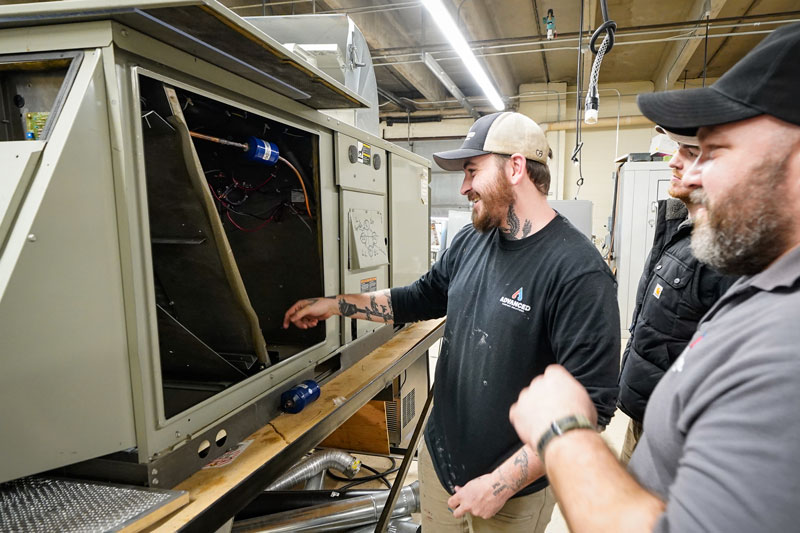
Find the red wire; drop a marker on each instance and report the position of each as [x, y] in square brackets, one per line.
[228, 214]
[260, 226]
[250, 189]
[223, 202]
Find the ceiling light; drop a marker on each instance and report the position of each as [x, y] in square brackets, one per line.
[448, 27]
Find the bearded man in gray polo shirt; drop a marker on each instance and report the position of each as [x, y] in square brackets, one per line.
[719, 451]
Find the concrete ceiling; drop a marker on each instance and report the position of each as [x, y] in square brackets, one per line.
[663, 42]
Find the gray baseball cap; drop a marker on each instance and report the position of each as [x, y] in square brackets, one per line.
[504, 133]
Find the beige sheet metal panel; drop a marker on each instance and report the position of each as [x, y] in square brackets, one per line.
[157, 433]
[360, 166]
[409, 227]
[355, 279]
[65, 382]
[208, 30]
[19, 159]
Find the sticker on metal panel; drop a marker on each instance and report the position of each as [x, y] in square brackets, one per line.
[369, 285]
[364, 153]
[230, 456]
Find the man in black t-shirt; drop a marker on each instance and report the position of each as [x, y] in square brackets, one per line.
[522, 289]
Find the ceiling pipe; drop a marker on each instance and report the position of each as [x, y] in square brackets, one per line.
[617, 43]
[621, 32]
[449, 84]
[602, 123]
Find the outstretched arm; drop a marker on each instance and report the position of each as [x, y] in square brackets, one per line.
[374, 306]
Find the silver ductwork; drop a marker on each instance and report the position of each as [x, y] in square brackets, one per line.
[336, 516]
[334, 44]
[397, 525]
[316, 463]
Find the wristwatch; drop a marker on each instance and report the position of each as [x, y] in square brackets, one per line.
[559, 427]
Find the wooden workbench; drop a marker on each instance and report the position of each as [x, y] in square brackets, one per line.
[216, 493]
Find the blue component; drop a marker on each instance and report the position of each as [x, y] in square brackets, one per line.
[261, 151]
[29, 135]
[295, 399]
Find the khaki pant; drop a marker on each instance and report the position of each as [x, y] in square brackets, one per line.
[632, 436]
[526, 514]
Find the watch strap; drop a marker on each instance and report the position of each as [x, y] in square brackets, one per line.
[559, 427]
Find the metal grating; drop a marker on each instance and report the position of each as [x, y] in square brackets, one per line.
[47, 505]
[409, 407]
[392, 421]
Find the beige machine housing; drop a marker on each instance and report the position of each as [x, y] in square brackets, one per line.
[144, 272]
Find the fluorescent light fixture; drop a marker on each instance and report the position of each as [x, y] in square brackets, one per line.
[448, 27]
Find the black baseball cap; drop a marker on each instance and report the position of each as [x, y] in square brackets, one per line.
[764, 82]
[503, 133]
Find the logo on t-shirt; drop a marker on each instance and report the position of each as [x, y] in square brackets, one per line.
[515, 302]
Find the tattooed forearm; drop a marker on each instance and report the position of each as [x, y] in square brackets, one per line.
[521, 460]
[526, 228]
[389, 309]
[373, 311]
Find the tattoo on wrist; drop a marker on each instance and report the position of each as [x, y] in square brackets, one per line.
[346, 308]
[498, 487]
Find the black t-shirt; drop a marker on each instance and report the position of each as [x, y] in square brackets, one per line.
[513, 307]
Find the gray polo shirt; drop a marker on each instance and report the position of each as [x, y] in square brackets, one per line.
[721, 441]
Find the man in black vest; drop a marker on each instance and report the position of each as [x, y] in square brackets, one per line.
[675, 291]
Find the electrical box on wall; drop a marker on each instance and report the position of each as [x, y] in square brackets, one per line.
[171, 191]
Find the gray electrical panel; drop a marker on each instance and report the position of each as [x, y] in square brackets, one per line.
[641, 186]
[169, 190]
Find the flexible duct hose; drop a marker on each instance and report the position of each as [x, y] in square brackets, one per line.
[337, 516]
[342, 461]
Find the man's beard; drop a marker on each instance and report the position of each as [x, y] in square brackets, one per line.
[684, 194]
[495, 201]
[743, 232]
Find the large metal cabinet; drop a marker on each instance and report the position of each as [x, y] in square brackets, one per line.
[641, 186]
[144, 271]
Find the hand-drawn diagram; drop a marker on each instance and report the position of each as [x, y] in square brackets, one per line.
[368, 236]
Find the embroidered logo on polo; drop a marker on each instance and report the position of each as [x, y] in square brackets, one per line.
[677, 366]
[515, 302]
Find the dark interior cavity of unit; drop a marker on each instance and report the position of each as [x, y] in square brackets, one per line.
[235, 239]
[32, 90]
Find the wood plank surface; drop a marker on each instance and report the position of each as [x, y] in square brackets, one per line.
[365, 431]
[207, 486]
[156, 515]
